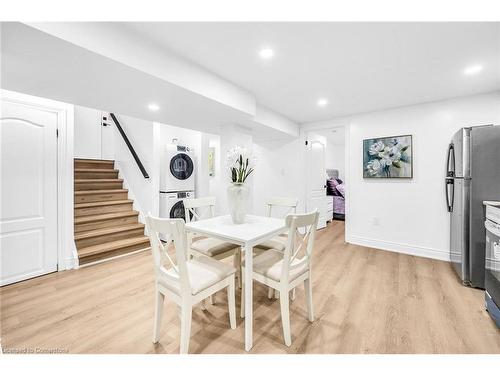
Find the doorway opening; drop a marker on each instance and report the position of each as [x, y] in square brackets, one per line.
[326, 188]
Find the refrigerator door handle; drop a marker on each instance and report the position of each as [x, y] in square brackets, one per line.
[450, 168]
[450, 193]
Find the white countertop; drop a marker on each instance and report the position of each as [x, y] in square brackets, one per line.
[491, 203]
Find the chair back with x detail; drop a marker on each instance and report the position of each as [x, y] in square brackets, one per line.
[174, 232]
[192, 208]
[297, 242]
[290, 203]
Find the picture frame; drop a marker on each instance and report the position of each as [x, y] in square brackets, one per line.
[211, 161]
[388, 157]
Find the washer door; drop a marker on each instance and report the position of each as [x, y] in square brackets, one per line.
[181, 166]
[177, 211]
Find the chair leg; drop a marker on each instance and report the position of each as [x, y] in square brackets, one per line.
[309, 299]
[240, 273]
[242, 305]
[276, 293]
[159, 302]
[237, 265]
[270, 293]
[186, 315]
[231, 303]
[212, 299]
[292, 295]
[285, 317]
[203, 305]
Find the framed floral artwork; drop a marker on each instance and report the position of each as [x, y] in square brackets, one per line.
[389, 157]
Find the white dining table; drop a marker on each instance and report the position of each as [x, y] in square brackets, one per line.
[255, 230]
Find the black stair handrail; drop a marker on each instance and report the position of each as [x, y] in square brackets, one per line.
[129, 145]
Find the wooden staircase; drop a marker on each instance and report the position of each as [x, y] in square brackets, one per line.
[105, 223]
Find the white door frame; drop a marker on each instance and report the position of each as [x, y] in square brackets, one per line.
[347, 177]
[67, 257]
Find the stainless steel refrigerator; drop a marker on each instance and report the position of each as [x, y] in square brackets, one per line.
[473, 176]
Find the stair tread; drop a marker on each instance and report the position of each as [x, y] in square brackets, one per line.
[110, 246]
[102, 161]
[110, 230]
[95, 170]
[97, 180]
[113, 215]
[89, 192]
[105, 203]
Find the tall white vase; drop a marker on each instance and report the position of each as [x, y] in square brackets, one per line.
[237, 197]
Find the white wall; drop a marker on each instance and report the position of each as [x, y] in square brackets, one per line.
[215, 182]
[278, 173]
[184, 137]
[335, 158]
[408, 215]
[140, 134]
[87, 133]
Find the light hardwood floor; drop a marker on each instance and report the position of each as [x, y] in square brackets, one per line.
[366, 301]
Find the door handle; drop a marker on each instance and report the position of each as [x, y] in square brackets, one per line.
[450, 172]
[449, 200]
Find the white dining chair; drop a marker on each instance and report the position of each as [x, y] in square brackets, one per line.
[285, 270]
[211, 247]
[278, 242]
[187, 281]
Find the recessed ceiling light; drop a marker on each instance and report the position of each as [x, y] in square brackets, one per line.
[266, 53]
[322, 102]
[473, 69]
[153, 107]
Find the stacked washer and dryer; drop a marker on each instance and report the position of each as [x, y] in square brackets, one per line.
[177, 181]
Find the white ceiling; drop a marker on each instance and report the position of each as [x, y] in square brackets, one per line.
[359, 67]
[334, 136]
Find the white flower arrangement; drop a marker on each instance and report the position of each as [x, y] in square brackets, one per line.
[384, 156]
[241, 163]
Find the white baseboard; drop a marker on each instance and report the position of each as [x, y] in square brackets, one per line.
[396, 247]
[70, 263]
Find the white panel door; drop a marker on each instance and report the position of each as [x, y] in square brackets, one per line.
[316, 180]
[28, 216]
